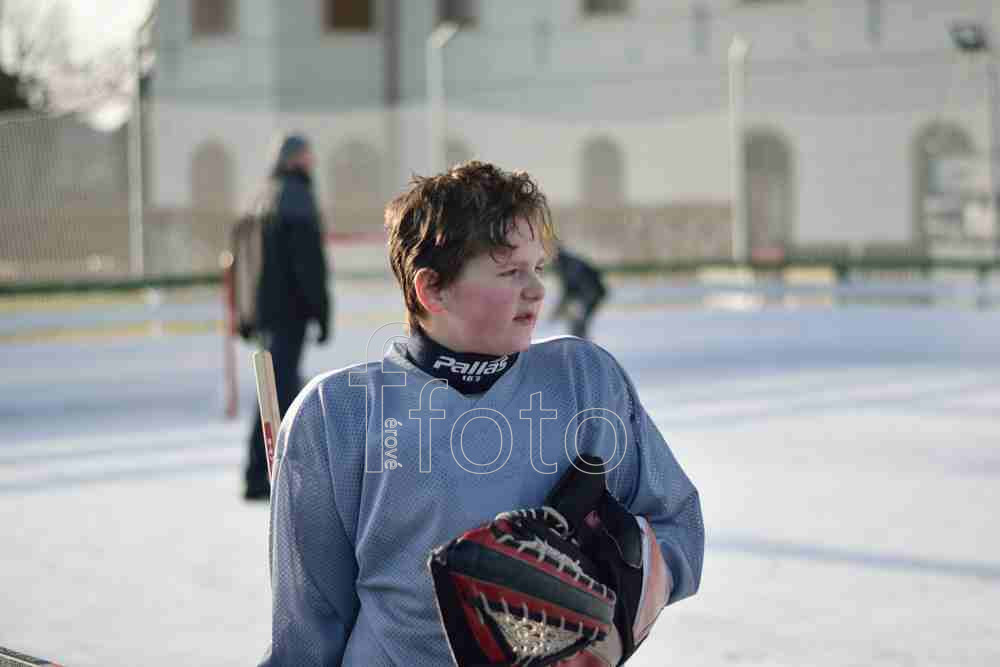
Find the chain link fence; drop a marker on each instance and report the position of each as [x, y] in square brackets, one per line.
[63, 200]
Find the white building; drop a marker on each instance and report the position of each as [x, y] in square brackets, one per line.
[863, 125]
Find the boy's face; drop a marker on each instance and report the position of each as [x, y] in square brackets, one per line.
[493, 306]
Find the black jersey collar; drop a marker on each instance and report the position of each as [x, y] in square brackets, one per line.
[467, 372]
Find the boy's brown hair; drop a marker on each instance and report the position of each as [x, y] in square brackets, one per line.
[443, 221]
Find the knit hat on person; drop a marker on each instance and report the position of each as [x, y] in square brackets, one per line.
[292, 145]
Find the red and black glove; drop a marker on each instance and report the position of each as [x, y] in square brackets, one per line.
[517, 591]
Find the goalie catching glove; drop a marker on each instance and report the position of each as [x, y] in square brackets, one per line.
[578, 581]
[516, 591]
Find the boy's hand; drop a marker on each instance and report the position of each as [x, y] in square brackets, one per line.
[324, 332]
[622, 546]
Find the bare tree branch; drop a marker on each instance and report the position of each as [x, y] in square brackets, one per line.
[41, 57]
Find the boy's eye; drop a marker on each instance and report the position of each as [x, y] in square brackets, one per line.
[540, 269]
[509, 272]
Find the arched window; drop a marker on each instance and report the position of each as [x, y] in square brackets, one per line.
[212, 181]
[940, 152]
[603, 174]
[770, 195]
[874, 11]
[213, 212]
[355, 184]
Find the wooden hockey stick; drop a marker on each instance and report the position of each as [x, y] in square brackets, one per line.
[267, 398]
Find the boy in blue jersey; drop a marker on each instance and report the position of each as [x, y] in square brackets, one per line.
[381, 462]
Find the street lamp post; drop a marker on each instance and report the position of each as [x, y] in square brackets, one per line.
[737, 60]
[436, 42]
[972, 38]
[135, 224]
[136, 203]
[991, 167]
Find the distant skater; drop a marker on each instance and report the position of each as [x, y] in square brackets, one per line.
[583, 291]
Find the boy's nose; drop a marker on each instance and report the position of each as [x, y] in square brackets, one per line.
[536, 290]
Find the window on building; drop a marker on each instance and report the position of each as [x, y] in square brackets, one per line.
[212, 185]
[348, 15]
[603, 174]
[355, 181]
[600, 7]
[942, 203]
[702, 29]
[212, 17]
[874, 22]
[462, 12]
[770, 191]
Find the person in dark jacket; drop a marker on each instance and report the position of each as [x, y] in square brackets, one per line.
[583, 290]
[292, 289]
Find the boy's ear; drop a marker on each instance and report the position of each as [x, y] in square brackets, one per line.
[429, 294]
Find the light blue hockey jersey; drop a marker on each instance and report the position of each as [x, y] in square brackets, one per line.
[381, 463]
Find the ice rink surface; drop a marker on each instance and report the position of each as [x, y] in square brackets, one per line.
[848, 461]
